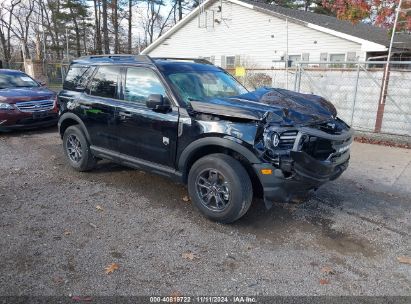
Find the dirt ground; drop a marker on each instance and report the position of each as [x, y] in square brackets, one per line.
[60, 229]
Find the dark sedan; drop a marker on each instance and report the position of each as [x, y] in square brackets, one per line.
[25, 103]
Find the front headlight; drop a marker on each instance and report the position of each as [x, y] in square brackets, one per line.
[271, 139]
[5, 106]
[279, 138]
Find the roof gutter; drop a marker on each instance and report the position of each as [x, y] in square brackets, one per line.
[366, 45]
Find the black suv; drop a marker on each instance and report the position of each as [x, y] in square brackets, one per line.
[192, 121]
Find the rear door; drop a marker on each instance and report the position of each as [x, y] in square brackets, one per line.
[98, 106]
[144, 133]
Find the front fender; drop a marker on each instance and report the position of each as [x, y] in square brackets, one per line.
[226, 142]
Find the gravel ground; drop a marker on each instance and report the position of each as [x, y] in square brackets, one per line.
[60, 229]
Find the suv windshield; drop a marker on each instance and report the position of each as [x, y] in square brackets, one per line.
[203, 85]
[16, 80]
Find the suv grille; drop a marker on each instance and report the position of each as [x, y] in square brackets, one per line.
[287, 139]
[35, 106]
[322, 149]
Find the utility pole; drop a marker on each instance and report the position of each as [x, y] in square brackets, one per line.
[286, 52]
[386, 76]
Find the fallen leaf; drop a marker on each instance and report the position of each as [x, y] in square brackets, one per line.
[99, 208]
[58, 280]
[188, 255]
[324, 282]
[404, 260]
[111, 268]
[186, 198]
[327, 270]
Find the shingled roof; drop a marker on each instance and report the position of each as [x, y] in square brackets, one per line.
[360, 30]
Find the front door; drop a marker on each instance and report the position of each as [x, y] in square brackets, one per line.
[144, 133]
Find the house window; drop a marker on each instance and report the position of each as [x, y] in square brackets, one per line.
[230, 62]
[293, 59]
[337, 57]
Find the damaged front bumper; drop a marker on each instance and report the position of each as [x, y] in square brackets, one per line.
[301, 171]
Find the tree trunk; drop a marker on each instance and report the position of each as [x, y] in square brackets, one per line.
[84, 37]
[180, 10]
[105, 29]
[115, 25]
[98, 45]
[76, 28]
[130, 19]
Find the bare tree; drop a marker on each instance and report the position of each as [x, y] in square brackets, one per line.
[153, 22]
[6, 21]
[115, 26]
[130, 25]
[105, 28]
[97, 15]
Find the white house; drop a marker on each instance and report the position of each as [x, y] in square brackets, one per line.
[234, 32]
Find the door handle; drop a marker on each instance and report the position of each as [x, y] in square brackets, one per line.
[124, 115]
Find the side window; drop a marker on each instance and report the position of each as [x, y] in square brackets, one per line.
[140, 83]
[105, 82]
[76, 76]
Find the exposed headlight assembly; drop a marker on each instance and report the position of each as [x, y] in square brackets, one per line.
[5, 106]
[279, 138]
[271, 139]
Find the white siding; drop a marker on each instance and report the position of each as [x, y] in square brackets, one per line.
[248, 33]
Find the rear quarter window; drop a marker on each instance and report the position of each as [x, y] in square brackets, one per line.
[77, 78]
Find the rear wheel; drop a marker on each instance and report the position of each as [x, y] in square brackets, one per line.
[77, 149]
[220, 188]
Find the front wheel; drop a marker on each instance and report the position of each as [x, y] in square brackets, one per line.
[220, 188]
[77, 149]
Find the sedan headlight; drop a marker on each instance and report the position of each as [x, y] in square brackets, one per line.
[5, 106]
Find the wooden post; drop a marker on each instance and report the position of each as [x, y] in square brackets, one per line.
[386, 76]
[381, 104]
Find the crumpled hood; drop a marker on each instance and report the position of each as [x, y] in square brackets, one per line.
[13, 95]
[287, 107]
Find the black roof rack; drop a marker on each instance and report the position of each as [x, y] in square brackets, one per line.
[196, 60]
[142, 58]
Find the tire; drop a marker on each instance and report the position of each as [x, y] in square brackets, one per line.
[77, 149]
[220, 188]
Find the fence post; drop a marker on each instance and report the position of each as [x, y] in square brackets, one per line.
[383, 97]
[355, 93]
[295, 77]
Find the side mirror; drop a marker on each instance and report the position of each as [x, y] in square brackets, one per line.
[157, 102]
[43, 83]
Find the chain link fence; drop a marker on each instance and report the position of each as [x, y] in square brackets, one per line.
[54, 71]
[354, 88]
